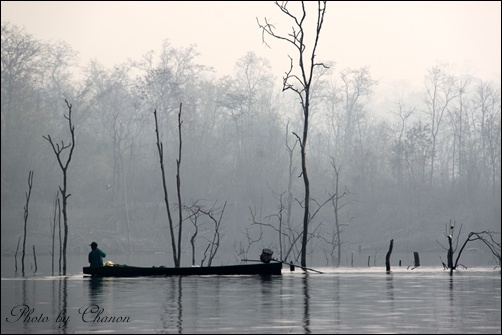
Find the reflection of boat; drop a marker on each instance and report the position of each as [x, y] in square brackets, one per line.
[271, 268]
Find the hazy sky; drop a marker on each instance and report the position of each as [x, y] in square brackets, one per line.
[398, 40]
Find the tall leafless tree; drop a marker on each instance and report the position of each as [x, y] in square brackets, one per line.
[28, 195]
[337, 206]
[58, 150]
[300, 83]
[176, 249]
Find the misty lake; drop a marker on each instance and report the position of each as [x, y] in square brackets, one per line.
[344, 300]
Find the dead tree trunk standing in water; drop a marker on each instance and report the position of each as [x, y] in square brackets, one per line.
[57, 214]
[17, 249]
[387, 257]
[450, 254]
[450, 250]
[178, 186]
[487, 237]
[416, 261]
[60, 239]
[417, 258]
[28, 195]
[58, 150]
[176, 250]
[35, 258]
[300, 83]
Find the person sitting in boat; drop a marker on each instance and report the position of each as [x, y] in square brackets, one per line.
[96, 255]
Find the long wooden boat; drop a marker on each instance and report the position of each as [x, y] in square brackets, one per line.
[272, 268]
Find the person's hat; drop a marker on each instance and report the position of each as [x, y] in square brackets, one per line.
[93, 243]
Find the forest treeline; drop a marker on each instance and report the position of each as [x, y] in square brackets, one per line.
[377, 173]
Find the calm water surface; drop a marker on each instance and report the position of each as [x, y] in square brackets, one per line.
[346, 300]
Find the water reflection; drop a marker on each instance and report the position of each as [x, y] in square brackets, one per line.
[63, 299]
[25, 302]
[451, 295]
[306, 304]
[267, 293]
[95, 290]
[180, 307]
[59, 297]
[389, 279]
[337, 307]
[390, 289]
[354, 301]
[173, 304]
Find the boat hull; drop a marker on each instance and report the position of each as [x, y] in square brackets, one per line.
[272, 268]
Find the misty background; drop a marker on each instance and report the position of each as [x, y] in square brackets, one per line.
[409, 156]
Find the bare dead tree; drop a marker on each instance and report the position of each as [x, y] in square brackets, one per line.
[300, 84]
[450, 249]
[337, 206]
[195, 212]
[292, 234]
[270, 218]
[160, 149]
[291, 171]
[58, 150]
[17, 249]
[35, 258]
[53, 229]
[387, 257]
[250, 241]
[215, 242]
[176, 250]
[56, 218]
[487, 238]
[178, 185]
[60, 239]
[450, 254]
[28, 195]
[416, 261]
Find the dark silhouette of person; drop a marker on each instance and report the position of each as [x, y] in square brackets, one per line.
[96, 255]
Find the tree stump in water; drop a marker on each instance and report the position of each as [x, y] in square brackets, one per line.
[417, 258]
[387, 257]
